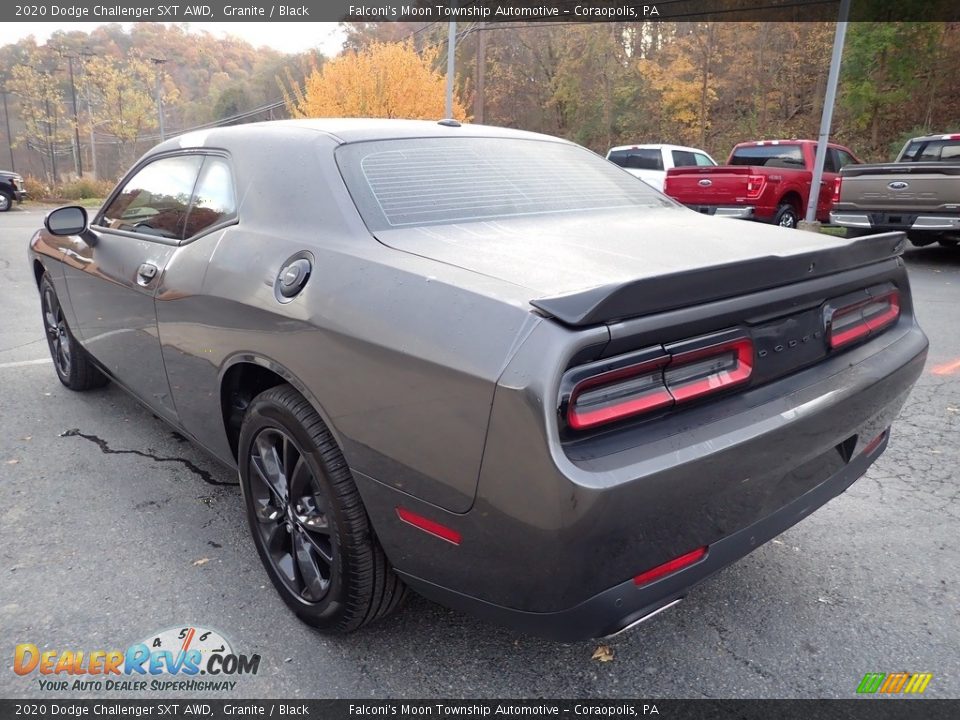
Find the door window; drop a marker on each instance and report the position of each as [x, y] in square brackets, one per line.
[155, 200]
[214, 199]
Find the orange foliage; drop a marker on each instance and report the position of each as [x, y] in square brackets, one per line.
[387, 80]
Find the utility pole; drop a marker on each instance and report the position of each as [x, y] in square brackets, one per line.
[159, 63]
[6, 117]
[826, 118]
[451, 60]
[86, 53]
[481, 72]
[77, 159]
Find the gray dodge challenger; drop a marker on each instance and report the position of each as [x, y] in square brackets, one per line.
[484, 364]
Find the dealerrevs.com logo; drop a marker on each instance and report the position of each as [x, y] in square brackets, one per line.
[171, 660]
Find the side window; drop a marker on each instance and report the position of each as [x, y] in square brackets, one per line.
[830, 163]
[155, 200]
[843, 159]
[703, 160]
[684, 158]
[214, 199]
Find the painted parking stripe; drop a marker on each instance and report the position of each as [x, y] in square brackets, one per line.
[24, 363]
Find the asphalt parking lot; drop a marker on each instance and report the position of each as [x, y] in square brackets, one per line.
[121, 528]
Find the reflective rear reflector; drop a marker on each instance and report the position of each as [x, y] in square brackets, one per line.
[875, 443]
[671, 566]
[429, 526]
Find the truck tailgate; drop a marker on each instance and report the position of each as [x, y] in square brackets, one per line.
[709, 185]
[907, 187]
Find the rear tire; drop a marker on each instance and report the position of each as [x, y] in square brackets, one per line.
[307, 519]
[922, 239]
[948, 242]
[786, 216]
[74, 367]
[6, 201]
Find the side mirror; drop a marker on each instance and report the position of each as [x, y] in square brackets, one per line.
[71, 220]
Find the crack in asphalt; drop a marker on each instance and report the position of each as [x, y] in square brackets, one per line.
[105, 448]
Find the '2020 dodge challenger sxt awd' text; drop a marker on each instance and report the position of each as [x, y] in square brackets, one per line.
[482, 363]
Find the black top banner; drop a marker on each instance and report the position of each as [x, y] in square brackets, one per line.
[477, 10]
[372, 709]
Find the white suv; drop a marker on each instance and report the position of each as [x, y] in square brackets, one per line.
[651, 162]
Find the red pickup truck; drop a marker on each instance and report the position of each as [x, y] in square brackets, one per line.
[766, 180]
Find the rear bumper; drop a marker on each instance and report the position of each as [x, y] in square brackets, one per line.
[626, 605]
[882, 222]
[740, 212]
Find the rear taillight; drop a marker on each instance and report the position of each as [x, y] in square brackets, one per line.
[836, 189]
[755, 185]
[717, 367]
[854, 322]
[618, 394]
[656, 380]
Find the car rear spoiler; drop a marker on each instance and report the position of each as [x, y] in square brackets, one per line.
[619, 301]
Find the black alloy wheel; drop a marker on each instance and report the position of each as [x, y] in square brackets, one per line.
[291, 510]
[307, 519]
[74, 367]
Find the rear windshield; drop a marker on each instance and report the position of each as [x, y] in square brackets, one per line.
[932, 151]
[637, 158]
[782, 156]
[410, 182]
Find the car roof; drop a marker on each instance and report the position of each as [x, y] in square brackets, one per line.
[347, 130]
[655, 146]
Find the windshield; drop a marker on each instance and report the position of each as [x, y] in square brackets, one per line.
[411, 182]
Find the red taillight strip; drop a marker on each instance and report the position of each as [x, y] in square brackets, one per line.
[664, 390]
[652, 399]
[429, 526]
[743, 347]
[868, 325]
[671, 566]
[874, 444]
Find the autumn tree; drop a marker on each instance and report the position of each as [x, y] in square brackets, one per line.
[388, 80]
[45, 128]
[121, 99]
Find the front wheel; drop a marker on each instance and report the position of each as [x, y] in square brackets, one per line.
[74, 367]
[6, 201]
[308, 523]
[786, 216]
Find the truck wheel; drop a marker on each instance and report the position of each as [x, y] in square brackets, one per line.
[786, 216]
[6, 201]
[948, 242]
[307, 519]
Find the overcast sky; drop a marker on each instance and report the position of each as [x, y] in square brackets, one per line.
[283, 36]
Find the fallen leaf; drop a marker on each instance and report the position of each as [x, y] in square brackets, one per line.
[28, 437]
[604, 653]
[12, 462]
[201, 561]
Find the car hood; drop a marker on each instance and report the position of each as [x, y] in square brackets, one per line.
[594, 267]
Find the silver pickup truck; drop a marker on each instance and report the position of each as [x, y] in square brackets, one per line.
[919, 192]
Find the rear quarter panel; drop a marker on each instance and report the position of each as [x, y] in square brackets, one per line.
[399, 354]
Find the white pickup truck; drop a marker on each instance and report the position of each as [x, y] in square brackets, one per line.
[651, 162]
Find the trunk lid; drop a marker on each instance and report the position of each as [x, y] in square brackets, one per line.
[605, 266]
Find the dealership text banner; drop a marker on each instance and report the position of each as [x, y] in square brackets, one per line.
[477, 11]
